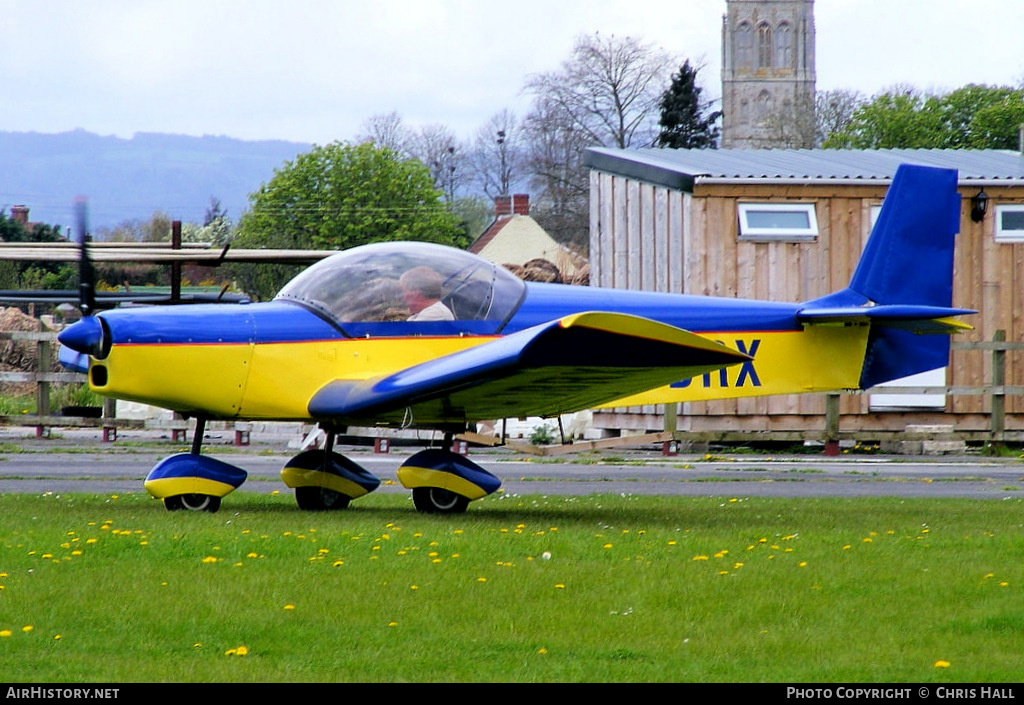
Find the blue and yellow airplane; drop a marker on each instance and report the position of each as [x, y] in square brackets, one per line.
[415, 335]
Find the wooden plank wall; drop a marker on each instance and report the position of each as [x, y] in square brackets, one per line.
[649, 237]
[988, 277]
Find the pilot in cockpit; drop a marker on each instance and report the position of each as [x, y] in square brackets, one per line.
[422, 289]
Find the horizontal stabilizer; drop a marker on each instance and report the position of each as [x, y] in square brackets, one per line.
[574, 363]
[918, 319]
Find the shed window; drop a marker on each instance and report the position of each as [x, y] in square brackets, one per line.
[778, 221]
[1010, 223]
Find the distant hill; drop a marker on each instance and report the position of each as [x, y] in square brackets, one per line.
[131, 179]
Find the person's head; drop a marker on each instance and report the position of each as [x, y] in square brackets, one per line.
[422, 287]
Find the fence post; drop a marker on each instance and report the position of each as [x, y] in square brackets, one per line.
[998, 388]
[42, 387]
[831, 424]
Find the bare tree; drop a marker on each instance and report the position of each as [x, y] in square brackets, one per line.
[498, 154]
[806, 124]
[833, 111]
[561, 182]
[386, 130]
[609, 89]
[440, 150]
[606, 94]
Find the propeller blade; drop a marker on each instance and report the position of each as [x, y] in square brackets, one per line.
[86, 275]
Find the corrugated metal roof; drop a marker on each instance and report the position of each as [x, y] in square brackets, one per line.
[681, 168]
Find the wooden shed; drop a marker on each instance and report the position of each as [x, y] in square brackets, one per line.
[789, 225]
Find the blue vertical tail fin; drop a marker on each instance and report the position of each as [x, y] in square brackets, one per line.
[904, 278]
[909, 257]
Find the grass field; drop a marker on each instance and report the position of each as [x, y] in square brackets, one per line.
[543, 589]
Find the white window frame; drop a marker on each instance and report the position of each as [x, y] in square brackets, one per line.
[750, 232]
[1008, 235]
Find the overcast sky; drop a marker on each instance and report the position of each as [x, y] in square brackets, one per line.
[315, 70]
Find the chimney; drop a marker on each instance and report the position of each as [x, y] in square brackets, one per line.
[502, 206]
[521, 204]
[20, 214]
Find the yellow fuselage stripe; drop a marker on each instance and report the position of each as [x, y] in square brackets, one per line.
[277, 380]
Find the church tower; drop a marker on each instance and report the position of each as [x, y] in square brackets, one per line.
[768, 74]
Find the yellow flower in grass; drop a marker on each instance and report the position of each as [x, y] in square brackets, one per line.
[237, 651]
[5, 632]
[942, 664]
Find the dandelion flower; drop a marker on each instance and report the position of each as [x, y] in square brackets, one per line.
[5, 632]
[942, 664]
[289, 607]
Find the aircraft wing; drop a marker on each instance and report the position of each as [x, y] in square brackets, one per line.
[573, 363]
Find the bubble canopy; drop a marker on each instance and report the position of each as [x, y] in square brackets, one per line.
[373, 289]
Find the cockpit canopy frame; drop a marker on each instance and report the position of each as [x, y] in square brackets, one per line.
[360, 291]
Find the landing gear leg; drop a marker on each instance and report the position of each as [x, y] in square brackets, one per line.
[194, 501]
[325, 480]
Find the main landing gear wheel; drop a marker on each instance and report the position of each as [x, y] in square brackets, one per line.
[434, 500]
[192, 502]
[320, 499]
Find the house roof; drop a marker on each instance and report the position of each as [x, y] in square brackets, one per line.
[683, 168]
[492, 231]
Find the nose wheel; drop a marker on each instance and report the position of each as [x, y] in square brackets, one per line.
[435, 500]
[192, 502]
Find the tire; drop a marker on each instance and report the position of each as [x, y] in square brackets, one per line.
[192, 503]
[434, 500]
[319, 499]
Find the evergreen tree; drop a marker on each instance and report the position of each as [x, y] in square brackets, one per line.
[685, 120]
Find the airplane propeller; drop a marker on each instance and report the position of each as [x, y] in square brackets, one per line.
[86, 273]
